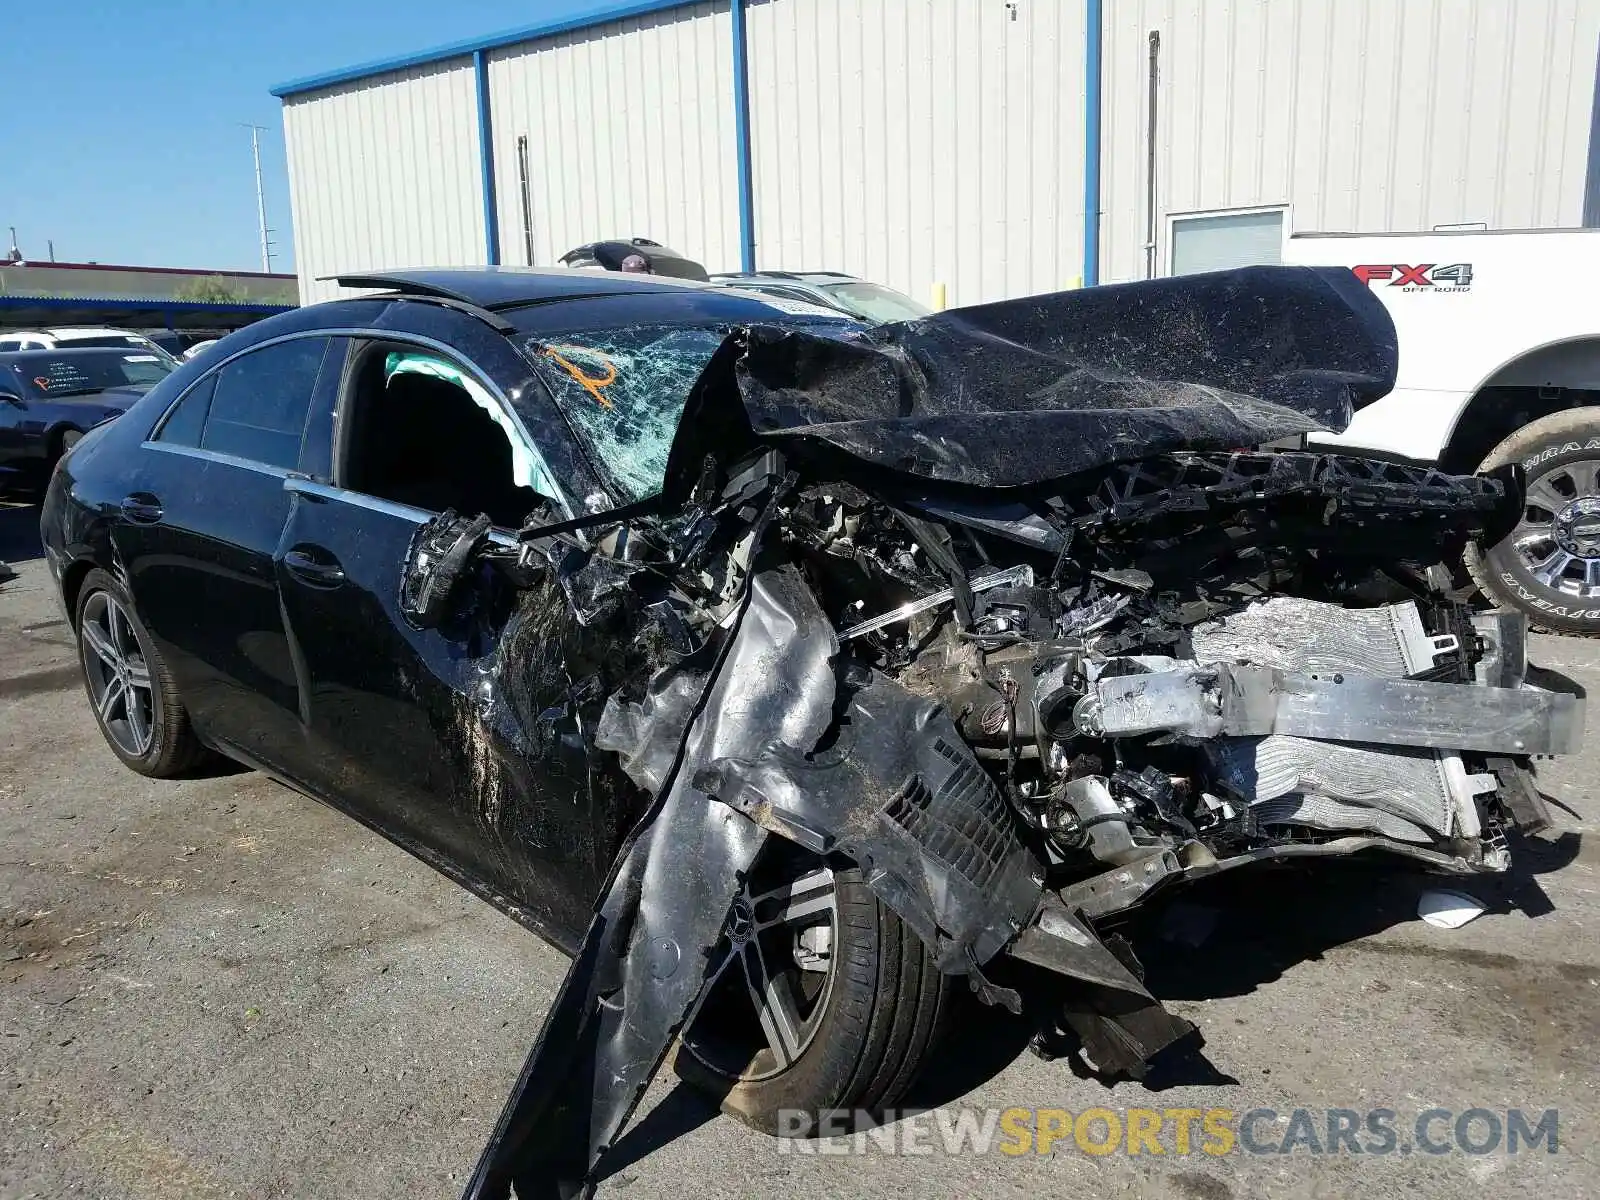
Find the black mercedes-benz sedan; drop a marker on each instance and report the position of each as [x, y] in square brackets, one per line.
[783, 669]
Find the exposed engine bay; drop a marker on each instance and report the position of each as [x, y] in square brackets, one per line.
[1021, 710]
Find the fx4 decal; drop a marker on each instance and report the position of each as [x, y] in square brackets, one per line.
[1457, 277]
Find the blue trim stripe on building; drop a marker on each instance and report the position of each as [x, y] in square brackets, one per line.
[741, 139]
[1091, 144]
[510, 37]
[491, 210]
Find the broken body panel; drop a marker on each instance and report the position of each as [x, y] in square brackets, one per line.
[985, 605]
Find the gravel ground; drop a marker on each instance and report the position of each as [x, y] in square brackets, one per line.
[217, 987]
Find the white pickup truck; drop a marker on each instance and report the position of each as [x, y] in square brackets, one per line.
[1499, 362]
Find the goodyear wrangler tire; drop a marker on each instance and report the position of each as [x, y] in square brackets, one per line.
[860, 1019]
[1549, 565]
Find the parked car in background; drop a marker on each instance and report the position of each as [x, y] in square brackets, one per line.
[198, 347]
[79, 337]
[51, 398]
[1499, 363]
[180, 345]
[831, 289]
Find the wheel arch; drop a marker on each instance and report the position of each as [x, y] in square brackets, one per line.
[1515, 394]
[72, 585]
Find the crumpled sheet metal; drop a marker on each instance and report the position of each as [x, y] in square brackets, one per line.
[646, 736]
[1028, 390]
[645, 957]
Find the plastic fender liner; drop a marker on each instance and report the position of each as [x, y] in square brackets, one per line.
[1122, 1025]
[899, 792]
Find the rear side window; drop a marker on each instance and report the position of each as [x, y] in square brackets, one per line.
[187, 422]
[255, 407]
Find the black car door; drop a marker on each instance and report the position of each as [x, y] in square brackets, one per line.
[463, 742]
[198, 528]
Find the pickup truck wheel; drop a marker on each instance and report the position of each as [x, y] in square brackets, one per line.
[1549, 565]
[821, 1002]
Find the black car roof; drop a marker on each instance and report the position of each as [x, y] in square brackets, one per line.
[509, 287]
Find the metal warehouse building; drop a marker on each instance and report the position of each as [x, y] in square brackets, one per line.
[995, 147]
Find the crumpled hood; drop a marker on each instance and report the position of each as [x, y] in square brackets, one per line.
[1027, 390]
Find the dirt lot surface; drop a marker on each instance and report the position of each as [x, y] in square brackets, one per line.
[217, 987]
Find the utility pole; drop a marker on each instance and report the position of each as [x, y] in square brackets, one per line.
[261, 196]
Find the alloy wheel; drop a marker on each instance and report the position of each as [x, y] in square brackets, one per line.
[1558, 539]
[119, 678]
[772, 974]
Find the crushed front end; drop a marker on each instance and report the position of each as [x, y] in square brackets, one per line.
[1023, 701]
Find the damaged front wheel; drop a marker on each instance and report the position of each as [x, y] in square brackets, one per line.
[821, 1001]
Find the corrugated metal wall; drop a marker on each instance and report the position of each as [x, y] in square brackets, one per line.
[630, 133]
[1369, 116]
[923, 141]
[383, 172]
[914, 141]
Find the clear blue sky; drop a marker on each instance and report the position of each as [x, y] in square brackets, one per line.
[120, 131]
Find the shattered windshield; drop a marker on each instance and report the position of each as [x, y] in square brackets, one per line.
[622, 391]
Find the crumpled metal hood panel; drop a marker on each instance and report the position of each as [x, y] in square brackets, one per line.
[1027, 390]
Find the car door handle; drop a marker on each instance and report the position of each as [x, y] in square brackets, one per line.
[310, 569]
[141, 508]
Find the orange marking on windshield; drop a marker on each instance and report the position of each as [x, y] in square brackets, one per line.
[593, 384]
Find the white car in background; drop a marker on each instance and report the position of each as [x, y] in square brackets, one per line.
[78, 337]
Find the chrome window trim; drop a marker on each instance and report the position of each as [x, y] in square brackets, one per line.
[406, 512]
[386, 335]
[216, 456]
[326, 491]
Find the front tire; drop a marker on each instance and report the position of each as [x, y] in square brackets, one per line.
[784, 1051]
[1548, 566]
[131, 693]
